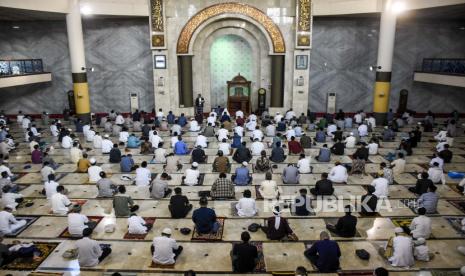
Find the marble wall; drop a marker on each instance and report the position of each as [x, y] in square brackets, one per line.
[344, 48]
[118, 49]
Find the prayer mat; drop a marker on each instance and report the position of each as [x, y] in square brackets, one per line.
[258, 195]
[333, 221]
[35, 273]
[454, 188]
[456, 223]
[65, 234]
[260, 267]
[401, 222]
[201, 178]
[46, 248]
[355, 273]
[218, 236]
[369, 216]
[458, 203]
[288, 205]
[29, 220]
[444, 272]
[234, 209]
[163, 266]
[148, 220]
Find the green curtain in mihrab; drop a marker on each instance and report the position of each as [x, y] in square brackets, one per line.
[229, 55]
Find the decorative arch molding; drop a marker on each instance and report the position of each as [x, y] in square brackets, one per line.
[254, 14]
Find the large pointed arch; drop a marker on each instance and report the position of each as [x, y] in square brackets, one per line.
[253, 13]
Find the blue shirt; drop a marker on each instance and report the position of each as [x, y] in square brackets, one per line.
[180, 148]
[133, 142]
[204, 218]
[236, 142]
[320, 136]
[348, 122]
[328, 253]
[325, 155]
[170, 118]
[281, 126]
[242, 176]
[126, 164]
[182, 121]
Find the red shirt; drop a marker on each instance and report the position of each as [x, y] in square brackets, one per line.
[240, 121]
[294, 147]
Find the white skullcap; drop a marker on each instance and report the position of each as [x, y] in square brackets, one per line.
[195, 164]
[398, 230]
[106, 136]
[92, 160]
[166, 231]
[244, 163]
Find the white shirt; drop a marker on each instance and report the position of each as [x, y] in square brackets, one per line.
[160, 155]
[85, 129]
[6, 219]
[437, 160]
[123, 136]
[174, 140]
[26, 122]
[277, 118]
[4, 168]
[211, 120]
[290, 133]
[45, 172]
[10, 199]
[441, 135]
[358, 118]
[54, 130]
[331, 128]
[89, 252]
[269, 189]
[257, 147]
[246, 207]
[192, 177]
[363, 130]
[381, 185]
[194, 126]
[338, 174]
[251, 125]
[66, 142]
[399, 166]
[257, 134]
[19, 118]
[76, 223]
[60, 203]
[160, 114]
[136, 225]
[304, 165]
[436, 175]
[222, 134]
[239, 113]
[289, 115]
[90, 135]
[119, 120]
[270, 130]
[97, 142]
[94, 173]
[252, 117]
[50, 188]
[421, 227]
[155, 140]
[373, 148]
[143, 176]
[350, 142]
[225, 148]
[75, 154]
[239, 130]
[163, 253]
[107, 145]
[372, 122]
[402, 252]
[201, 141]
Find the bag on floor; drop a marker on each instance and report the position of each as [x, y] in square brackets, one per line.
[362, 254]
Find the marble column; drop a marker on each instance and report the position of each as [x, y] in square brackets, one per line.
[387, 35]
[78, 61]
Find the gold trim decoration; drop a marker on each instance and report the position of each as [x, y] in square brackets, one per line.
[158, 40]
[304, 15]
[303, 40]
[237, 8]
[156, 14]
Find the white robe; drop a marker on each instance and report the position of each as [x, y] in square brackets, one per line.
[402, 252]
[136, 225]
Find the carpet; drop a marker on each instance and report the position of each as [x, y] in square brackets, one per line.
[333, 221]
[65, 234]
[233, 209]
[456, 223]
[458, 203]
[29, 220]
[196, 236]
[260, 267]
[401, 222]
[46, 248]
[258, 195]
[453, 187]
[201, 178]
[127, 236]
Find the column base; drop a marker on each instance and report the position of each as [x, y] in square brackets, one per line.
[84, 117]
[381, 118]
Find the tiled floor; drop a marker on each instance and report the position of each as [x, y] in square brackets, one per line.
[213, 257]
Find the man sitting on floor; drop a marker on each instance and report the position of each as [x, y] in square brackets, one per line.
[191, 177]
[323, 187]
[205, 218]
[324, 254]
[346, 226]
[222, 188]
[290, 175]
[338, 173]
[8, 223]
[246, 207]
[77, 222]
[244, 255]
[159, 187]
[277, 227]
[369, 202]
[179, 204]
[137, 225]
[429, 200]
[422, 184]
[90, 253]
[242, 176]
[420, 227]
[302, 204]
[164, 249]
[402, 250]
